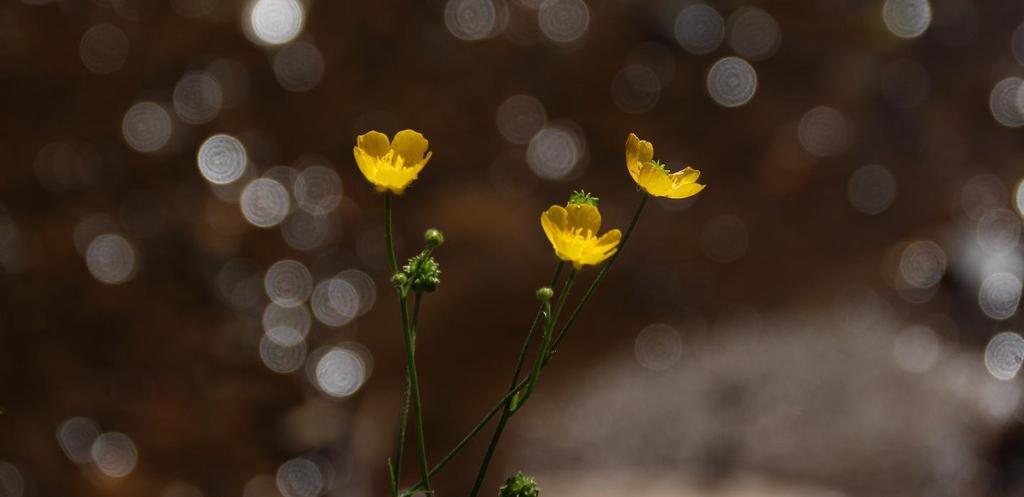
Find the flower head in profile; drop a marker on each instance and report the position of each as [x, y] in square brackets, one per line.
[572, 231]
[391, 165]
[653, 177]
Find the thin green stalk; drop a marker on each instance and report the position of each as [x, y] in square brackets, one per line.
[600, 276]
[388, 236]
[513, 387]
[507, 413]
[410, 350]
[406, 399]
[414, 385]
[542, 354]
[469, 437]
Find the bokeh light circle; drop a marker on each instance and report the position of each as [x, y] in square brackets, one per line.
[282, 357]
[471, 19]
[520, 117]
[288, 283]
[658, 347]
[103, 49]
[335, 302]
[299, 477]
[76, 436]
[554, 152]
[340, 372]
[111, 259]
[824, 132]
[304, 231]
[147, 127]
[922, 264]
[286, 325]
[12, 483]
[365, 288]
[907, 18]
[197, 97]
[699, 29]
[318, 189]
[871, 189]
[732, 82]
[998, 231]
[114, 454]
[274, 22]
[564, 21]
[1005, 102]
[264, 202]
[753, 33]
[299, 66]
[222, 159]
[1004, 354]
[999, 296]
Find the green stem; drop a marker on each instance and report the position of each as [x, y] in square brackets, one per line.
[406, 399]
[600, 277]
[414, 385]
[513, 387]
[507, 412]
[410, 347]
[388, 237]
[542, 355]
[469, 437]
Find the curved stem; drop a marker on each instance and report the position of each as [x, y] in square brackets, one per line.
[513, 387]
[600, 276]
[507, 413]
[468, 438]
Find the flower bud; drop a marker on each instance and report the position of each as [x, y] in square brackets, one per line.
[433, 237]
[545, 293]
[519, 485]
[399, 278]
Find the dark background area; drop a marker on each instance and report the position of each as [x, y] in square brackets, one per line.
[820, 320]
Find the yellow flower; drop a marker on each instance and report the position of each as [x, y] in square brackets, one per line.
[572, 231]
[653, 177]
[391, 165]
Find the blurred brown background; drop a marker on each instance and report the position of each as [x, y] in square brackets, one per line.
[836, 314]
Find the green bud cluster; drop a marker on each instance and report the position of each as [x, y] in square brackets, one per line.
[422, 273]
[579, 197]
[519, 485]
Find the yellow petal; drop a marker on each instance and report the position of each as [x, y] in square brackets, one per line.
[684, 191]
[584, 216]
[637, 152]
[374, 143]
[653, 180]
[367, 165]
[555, 222]
[686, 175]
[410, 146]
[609, 241]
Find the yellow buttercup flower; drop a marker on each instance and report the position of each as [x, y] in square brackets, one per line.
[653, 177]
[391, 165]
[572, 231]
